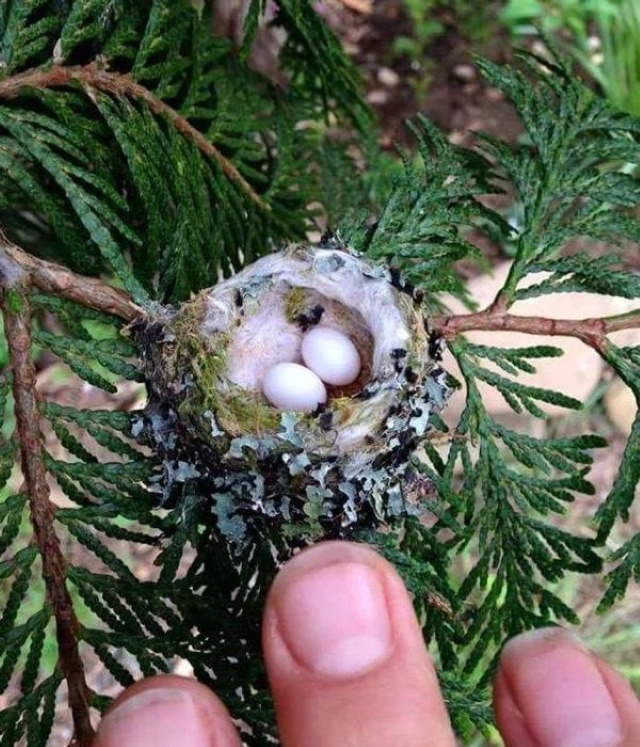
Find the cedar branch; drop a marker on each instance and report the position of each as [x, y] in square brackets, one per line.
[58, 280]
[592, 331]
[17, 325]
[92, 76]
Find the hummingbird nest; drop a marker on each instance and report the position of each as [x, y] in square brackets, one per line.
[345, 466]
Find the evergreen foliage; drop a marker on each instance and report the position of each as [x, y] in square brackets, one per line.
[72, 154]
[418, 226]
[164, 162]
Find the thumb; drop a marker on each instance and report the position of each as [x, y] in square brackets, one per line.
[166, 711]
[550, 691]
[345, 654]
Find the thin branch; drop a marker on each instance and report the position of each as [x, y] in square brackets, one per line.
[53, 278]
[500, 305]
[17, 325]
[592, 331]
[92, 76]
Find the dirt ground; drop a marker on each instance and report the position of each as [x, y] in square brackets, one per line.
[444, 85]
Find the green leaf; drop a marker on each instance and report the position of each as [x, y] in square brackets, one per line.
[420, 227]
[567, 177]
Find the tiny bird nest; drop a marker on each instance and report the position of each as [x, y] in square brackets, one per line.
[344, 466]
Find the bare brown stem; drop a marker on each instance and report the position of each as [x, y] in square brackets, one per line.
[592, 331]
[56, 279]
[499, 305]
[17, 325]
[92, 76]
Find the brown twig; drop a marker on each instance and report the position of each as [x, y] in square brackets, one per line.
[17, 325]
[592, 331]
[92, 76]
[56, 279]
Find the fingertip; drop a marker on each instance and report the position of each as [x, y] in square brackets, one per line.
[509, 718]
[625, 699]
[345, 653]
[167, 710]
[550, 690]
[324, 554]
[346, 555]
[343, 593]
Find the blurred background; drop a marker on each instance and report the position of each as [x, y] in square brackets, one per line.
[417, 55]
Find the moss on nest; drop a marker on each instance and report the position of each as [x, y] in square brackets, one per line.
[237, 411]
[296, 304]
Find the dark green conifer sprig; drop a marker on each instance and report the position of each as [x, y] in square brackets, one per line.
[568, 177]
[619, 502]
[568, 180]
[511, 487]
[418, 230]
[102, 481]
[313, 60]
[142, 100]
[509, 490]
[151, 152]
[581, 272]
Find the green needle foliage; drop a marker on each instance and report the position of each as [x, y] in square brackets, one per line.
[418, 229]
[137, 146]
[99, 166]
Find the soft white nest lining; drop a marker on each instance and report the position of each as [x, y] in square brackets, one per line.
[357, 298]
[262, 340]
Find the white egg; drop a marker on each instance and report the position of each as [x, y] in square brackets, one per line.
[290, 386]
[331, 355]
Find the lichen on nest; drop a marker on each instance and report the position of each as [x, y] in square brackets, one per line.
[348, 464]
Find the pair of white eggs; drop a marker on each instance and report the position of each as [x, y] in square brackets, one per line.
[329, 357]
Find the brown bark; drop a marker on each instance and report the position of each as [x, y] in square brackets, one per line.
[58, 280]
[591, 331]
[92, 76]
[17, 324]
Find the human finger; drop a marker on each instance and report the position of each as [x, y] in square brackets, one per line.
[166, 711]
[551, 691]
[345, 654]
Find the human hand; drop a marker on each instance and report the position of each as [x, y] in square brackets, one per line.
[348, 668]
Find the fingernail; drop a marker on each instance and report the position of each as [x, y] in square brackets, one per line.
[559, 691]
[162, 717]
[334, 619]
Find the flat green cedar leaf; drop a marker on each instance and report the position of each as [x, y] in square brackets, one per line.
[583, 272]
[80, 364]
[627, 568]
[621, 495]
[22, 38]
[72, 444]
[32, 662]
[566, 177]
[251, 22]
[424, 211]
[99, 225]
[526, 393]
[120, 421]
